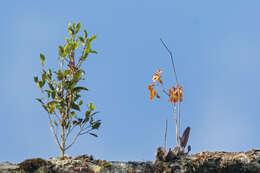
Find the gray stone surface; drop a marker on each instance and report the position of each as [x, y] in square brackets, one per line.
[5, 166]
[203, 162]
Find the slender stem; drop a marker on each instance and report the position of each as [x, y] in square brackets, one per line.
[165, 133]
[81, 60]
[179, 110]
[175, 74]
[54, 133]
[74, 140]
[62, 139]
[51, 126]
[176, 122]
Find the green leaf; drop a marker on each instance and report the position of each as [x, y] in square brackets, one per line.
[60, 75]
[76, 97]
[76, 45]
[93, 134]
[39, 100]
[66, 72]
[85, 34]
[71, 31]
[51, 109]
[35, 79]
[92, 38]
[79, 88]
[81, 39]
[87, 115]
[80, 120]
[49, 74]
[91, 106]
[96, 125]
[56, 123]
[40, 84]
[57, 106]
[42, 57]
[80, 102]
[44, 77]
[61, 50]
[48, 92]
[88, 48]
[78, 27]
[74, 122]
[73, 114]
[75, 106]
[51, 103]
[66, 49]
[53, 94]
[77, 76]
[85, 56]
[51, 86]
[93, 51]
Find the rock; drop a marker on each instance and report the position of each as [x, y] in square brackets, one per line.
[203, 162]
[7, 166]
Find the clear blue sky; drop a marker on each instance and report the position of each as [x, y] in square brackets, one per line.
[216, 50]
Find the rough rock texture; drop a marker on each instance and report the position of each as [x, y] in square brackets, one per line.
[203, 162]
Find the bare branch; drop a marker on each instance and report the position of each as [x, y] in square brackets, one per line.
[51, 126]
[74, 140]
[171, 59]
[165, 133]
[54, 133]
[80, 60]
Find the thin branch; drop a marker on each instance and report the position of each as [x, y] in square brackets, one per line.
[51, 126]
[179, 111]
[83, 133]
[74, 140]
[176, 122]
[53, 132]
[165, 133]
[171, 59]
[80, 59]
[70, 130]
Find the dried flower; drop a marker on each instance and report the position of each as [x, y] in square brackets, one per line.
[176, 94]
[157, 76]
[153, 93]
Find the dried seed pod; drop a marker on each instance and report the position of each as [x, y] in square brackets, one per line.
[185, 137]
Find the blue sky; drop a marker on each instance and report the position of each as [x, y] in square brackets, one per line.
[216, 51]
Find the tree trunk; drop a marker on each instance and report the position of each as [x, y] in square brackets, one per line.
[62, 141]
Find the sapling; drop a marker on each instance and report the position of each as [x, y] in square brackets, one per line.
[175, 94]
[61, 96]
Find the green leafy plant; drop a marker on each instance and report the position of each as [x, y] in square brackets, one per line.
[62, 92]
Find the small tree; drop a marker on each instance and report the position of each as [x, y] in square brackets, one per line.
[61, 98]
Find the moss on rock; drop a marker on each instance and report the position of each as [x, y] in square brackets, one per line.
[33, 165]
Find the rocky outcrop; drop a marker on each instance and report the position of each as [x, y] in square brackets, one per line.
[203, 162]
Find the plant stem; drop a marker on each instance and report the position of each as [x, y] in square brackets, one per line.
[175, 74]
[165, 133]
[62, 136]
